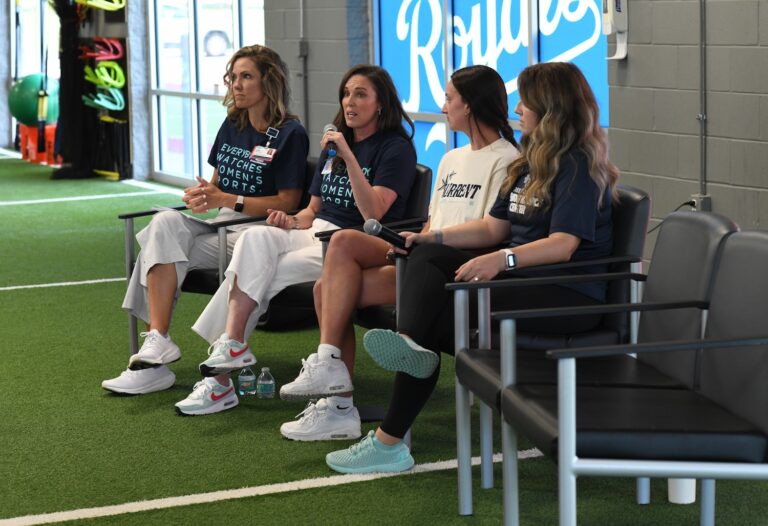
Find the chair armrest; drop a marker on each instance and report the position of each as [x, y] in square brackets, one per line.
[239, 221]
[654, 347]
[576, 264]
[145, 213]
[216, 224]
[548, 280]
[405, 224]
[608, 260]
[608, 308]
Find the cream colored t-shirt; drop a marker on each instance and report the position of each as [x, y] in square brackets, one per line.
[468, 183]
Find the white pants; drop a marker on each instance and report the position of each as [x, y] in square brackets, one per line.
[265, 260]
[172, 237]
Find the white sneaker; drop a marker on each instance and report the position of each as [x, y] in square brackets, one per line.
[318, 378]
[225, 356]
[325, 420]
[141, 381]
[208, 396]
[156, 350]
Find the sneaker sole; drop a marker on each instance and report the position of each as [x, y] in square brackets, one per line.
[153, 388]
[224, 405]
[336, 435]
[286, 395]
[391, 352]
[403, 465]
[243, 361]
[136, 363]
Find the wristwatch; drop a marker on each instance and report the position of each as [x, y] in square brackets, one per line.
[510, 260]
[239, 203]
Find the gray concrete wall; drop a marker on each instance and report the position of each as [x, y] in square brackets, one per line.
[138, 98]
[336, 32]
[655, 100]
[6, 134]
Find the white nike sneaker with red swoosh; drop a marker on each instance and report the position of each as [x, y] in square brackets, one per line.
[208, 396]
[226, 355]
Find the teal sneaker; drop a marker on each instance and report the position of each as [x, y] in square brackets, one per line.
[397, 352]
[370, 456]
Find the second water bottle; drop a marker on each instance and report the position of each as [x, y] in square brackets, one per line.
[265, 386]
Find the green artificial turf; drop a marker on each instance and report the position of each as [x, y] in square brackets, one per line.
[67, 444]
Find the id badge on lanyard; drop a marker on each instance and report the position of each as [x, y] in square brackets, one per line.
[265, 154]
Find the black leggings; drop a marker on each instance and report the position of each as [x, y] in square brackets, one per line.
[426, 315]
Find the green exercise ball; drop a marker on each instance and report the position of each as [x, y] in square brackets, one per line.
[22, 99]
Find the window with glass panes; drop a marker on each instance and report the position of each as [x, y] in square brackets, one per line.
[192, 40]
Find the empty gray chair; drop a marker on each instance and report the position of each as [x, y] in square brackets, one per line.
[643, 423]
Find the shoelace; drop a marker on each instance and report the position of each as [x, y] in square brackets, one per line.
[309, 413]
[217, 347]
[200, 389]
[307, 367]
[150, 337]
[357, 448]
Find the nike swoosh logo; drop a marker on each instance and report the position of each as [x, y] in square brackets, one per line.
[336, 357]
[234, 354]
[216, 397]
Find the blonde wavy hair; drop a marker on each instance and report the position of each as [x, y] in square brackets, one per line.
[274, 83]
[568, 119]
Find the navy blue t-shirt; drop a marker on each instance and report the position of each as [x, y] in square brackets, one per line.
[386, 158]
[241, 175]
[573, 210]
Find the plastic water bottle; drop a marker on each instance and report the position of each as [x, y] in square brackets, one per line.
[265, 386]
[246, 382]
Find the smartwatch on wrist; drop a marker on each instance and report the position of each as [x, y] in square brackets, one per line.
[510, 260]
[239, 203]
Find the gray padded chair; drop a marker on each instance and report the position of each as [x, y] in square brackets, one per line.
[681, 282]
[686, 247]
[717, 429]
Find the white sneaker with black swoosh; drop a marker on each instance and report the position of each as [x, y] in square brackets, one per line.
[333, 418]
[322, 374]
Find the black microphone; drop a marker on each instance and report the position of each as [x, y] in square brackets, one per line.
[330, 146]
[375, 228]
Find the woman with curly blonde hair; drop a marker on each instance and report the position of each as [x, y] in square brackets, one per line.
[259, 164]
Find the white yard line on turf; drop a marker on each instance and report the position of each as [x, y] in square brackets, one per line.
[76, 198]
[255, 491]
[151, 187]
[61, 284]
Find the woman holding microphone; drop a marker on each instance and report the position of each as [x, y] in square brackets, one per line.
[358, 272]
